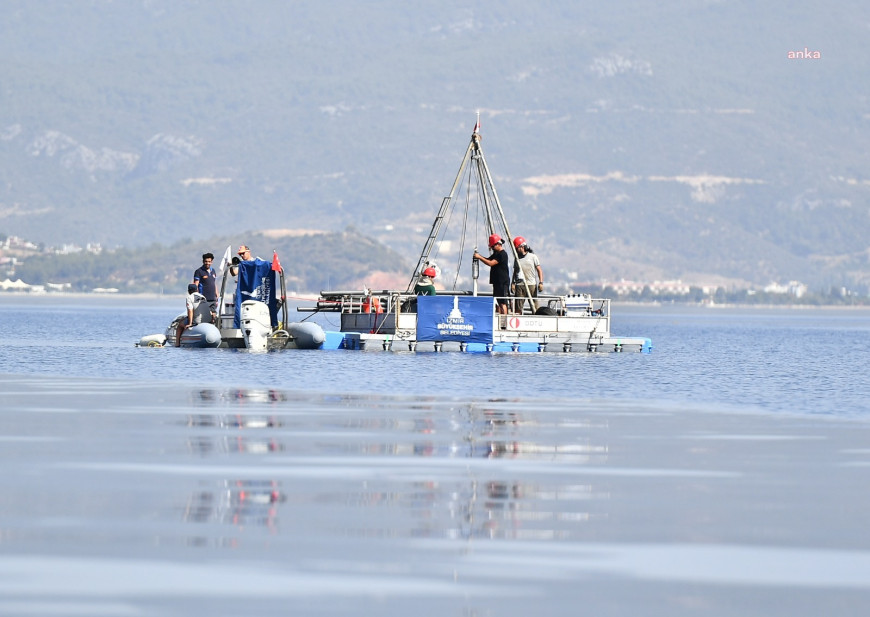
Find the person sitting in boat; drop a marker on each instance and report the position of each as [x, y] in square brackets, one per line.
[528, 276]
[499, 272]
[426, 283]
[198, 312]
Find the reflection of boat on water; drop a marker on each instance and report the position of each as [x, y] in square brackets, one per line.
[251, 314]
[467, 320]
[421, 472]
[238, 503]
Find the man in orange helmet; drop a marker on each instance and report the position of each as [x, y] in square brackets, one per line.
[426, 283]
[499, 272]
[528, 277]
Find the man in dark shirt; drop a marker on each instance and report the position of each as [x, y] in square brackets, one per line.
[499, 272]
[205, 278]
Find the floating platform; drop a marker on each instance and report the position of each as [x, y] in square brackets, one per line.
[384, 342]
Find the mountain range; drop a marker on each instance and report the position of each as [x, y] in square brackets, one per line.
[683, 139]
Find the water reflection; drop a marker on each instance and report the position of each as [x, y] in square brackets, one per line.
[240, 396]
[239, 443]
[376, 458]
[232, 421]
[204, 446]
[239, 502]
[575, 453]
[247, 502]
[499, 509]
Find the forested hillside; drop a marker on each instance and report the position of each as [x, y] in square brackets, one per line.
[311, 262]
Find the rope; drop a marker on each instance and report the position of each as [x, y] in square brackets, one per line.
[464, 232]
[443, 233]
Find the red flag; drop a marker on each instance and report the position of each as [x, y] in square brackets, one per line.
[276, 265]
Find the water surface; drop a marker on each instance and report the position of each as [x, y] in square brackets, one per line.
[719, 475]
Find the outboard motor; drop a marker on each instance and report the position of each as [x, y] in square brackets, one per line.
[256, 324]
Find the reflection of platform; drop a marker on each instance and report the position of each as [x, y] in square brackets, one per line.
[239, 502]
[238, 396]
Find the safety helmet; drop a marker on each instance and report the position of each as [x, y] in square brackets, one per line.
[495, 239]
[430, 272]
[519, 241]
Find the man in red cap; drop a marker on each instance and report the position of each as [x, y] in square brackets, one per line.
[499, 272]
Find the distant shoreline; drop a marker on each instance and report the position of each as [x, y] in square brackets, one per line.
[86, 295]
[735, 305]
[132, 297]
[75, 295]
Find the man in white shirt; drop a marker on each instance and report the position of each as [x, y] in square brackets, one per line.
[527, 271]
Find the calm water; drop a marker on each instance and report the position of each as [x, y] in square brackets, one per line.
[722, 474]
[801, 361]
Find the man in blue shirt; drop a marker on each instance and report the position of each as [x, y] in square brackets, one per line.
[205, 280]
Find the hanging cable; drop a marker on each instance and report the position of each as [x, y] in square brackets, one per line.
[436, 247]
[463, 235]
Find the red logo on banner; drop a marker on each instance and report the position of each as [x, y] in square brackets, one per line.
[514, 322]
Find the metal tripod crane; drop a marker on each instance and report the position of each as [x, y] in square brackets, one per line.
[491, 205]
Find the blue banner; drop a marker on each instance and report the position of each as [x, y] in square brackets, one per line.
[457, 318]
[256, 282]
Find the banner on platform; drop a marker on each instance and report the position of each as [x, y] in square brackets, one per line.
[454, 318]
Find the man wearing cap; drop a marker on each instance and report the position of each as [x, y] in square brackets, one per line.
[244, 254]
[499, 272]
